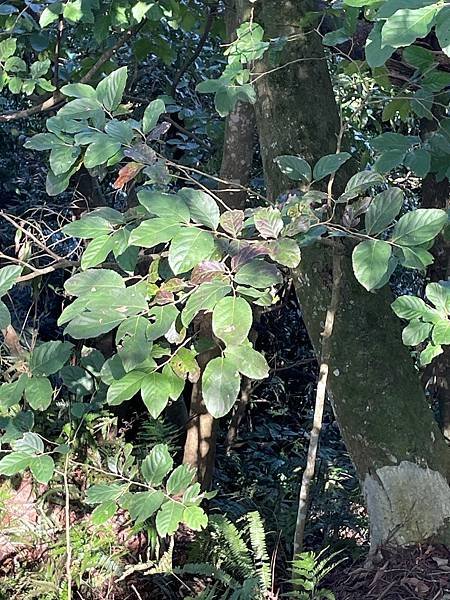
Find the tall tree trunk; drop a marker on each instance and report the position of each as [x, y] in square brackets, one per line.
[437, 195]
[399, 453]
[200, 445]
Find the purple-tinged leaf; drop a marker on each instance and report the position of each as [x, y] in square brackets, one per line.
[232, 222]
[268, 222]
[247, 254]
[208, 270]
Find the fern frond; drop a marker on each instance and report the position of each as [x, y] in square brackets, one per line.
[232, 551]
[257, 535]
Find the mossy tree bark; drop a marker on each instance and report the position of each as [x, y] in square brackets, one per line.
[399, 453]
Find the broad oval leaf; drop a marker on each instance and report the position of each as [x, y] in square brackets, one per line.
[329, 164]
[268, 222]
[406, 25]
[220, 386]
[202, 206]
[169, 517]
[180, 479]
[188, 248]
[88, 227]
[110, 90]
[285, 251]
[441, 332]
[371, 262]
[42, 468]
[8, 276]
[195, 518]
[205, 297]
[157, 465]
[416, 332]
[153, 232]
[248, 361]
[97, 251]
[294, 167]
[155, 392]
[125, 388]
[231, 320]
[383, 210]
[409, 307]
[38, 393]
[49, 357]
[93, 281]
[259, 274]
[419, 226]
[151, 114]
[13, 463]
[142, 505]
[167, 206]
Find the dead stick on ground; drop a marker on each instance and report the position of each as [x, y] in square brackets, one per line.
[308, 473]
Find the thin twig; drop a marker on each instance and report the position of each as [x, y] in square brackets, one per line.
[308, 473]
[67, 527]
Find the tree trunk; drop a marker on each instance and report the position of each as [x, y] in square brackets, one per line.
[437, 195]
[200, 445]
[400, 455]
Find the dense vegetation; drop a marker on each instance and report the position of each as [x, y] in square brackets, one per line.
[214, 217]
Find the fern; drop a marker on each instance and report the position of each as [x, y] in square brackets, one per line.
[255, 528]
[239, 561]
[309, 569]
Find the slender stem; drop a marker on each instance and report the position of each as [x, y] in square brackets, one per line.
[67, 527]
[308, 473]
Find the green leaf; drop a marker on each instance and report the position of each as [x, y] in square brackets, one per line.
[231, 320]
[195, 518]
[29, 443]
[5, 317]
[93, 324]
[103, 492]
[414, 258]
[406, 25]
[169, 517]
[416, 332]
[56, 184]
[49, 357]
[203, 208]
[8, 276]
[383, 210]
[93, 281]
[62, 158]
[157, 465]
[418, 161]
[180, 479]
[153, 232]
[103, 512]
[98, 153]
[13, 463]
[88, 227]
[155, 391]
[389, 160]
[78, 90]
[220, 386]
[110, 90]
[184, 364]
[120, 131]
[409, 307]
[259, 274]
[419, 226]
[125, 388]
[38, 393]
[11, 393]
[430, 352]
[80, 108]
[377, 53]
[329, 164]
[268, 222]
[176, 383]
[439, 295]
[151, 115]
[360, 183]
[162, 318]
[285, 251]
[42, 141]
[167, 206]
[96, 251]
[371, 262]
[42, 468]
[189, 247]
[421, 58]
[205, 297]
[7, 48]
[441, 332]
[248, 361]
[443, 29]
[143, 505]
[295, 167]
